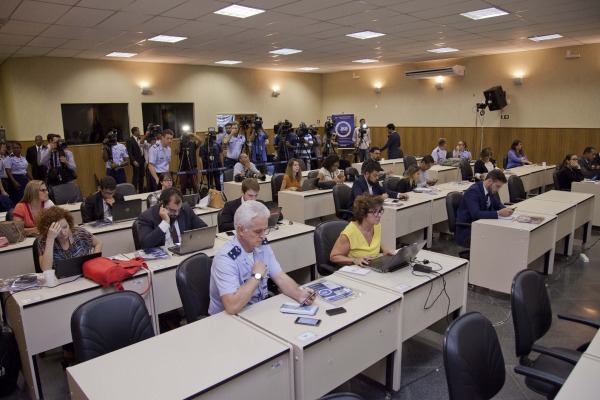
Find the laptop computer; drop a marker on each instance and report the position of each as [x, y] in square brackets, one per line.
[401, 259]
[191, 199]
[72, 266]
[195, 240]
[126, 210]
[309, 184]
[274, 217]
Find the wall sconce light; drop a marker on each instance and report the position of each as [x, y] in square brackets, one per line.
[518, 79]
[439, 82]
[144, 88]
[276, 91]
[377, 88]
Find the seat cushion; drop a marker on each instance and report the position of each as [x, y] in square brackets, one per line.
[554, 366]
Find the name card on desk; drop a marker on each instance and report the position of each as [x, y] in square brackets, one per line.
[354, 269]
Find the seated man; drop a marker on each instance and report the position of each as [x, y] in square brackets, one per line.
[98, 206]
[250, 189]
[241, 268]
[587, 162]
[374, 157]
[369, 183]
[439, 153]
[480, 202]
[164, 223]
[244, 168]
[424, 165]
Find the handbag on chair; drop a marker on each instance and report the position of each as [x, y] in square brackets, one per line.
[216, 199]
[13, 231]
[106, 272]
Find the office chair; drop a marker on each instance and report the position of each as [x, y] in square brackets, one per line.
[473, 359]
[136, 236]
[408, 161]
[505, 161]
[276, 181]
[556, 182]
[228, 175]
[193, 283]
[108, 323]
[532, 318]
[313, 174]
[148, 200]
[516, 190]
[9, 214]
[351, 174]
[341, 396]
[391, 183]
[449, 155]
[36, 255]
[219, 219]
[453, 200]
[126, 189]
[302, 165]
[466, 171]
[67, 193]
[326, 233]
[341, 202]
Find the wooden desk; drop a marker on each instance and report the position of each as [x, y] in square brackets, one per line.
[445, 174]
[413, 217]
[220, 357]
[343, 345]
[584, 211]
[233, 190]
[589, 188]
[501, 248]
[415, 291]
[302, 206]
[582, 383]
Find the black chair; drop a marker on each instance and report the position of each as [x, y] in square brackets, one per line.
[312, 174]
[67, 193]
[449, 155]
[473, 359]
[516, 189]
[408, 161]
[136, 237]
[9, 214]
[391, 183]
[276, 181]
[36, 255]
[108, 323]
[532, 318]
[326, 233]
[302, 165]
[341, 199]
[126, 189]
[351, 174]
[453, 200]
[466, 171]
[505, 162]
[219, 219]
[556, 182]
[341, 396]
[344, 164]
[193, 283]
[148, 203]
[228, 175]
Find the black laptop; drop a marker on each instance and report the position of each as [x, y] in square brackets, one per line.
[195, 240]
[72, 266]
[126, 210]
[401, 259]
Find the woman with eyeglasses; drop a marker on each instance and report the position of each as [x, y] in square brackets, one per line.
[35, 199]
[570, 171]
[165, 181]
[461, 151]
[360, 241]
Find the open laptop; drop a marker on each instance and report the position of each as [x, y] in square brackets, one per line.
[72, 266]
[126, 210]
[274, 217]
[401, 259]
[309, 184]
[191, 199]
[195, 240]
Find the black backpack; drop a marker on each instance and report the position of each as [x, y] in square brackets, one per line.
[10, 362]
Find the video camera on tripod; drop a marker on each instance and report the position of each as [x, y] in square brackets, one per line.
[153, 131]
[283, 128]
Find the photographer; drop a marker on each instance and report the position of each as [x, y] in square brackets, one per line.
[329, 139]
[284, 153]
[116, 157]
[188, 146]
[59, 161]
[362, 139]
[259, 142]
[304, 144]
[210, 153]
[159, 157]
[315, 151]
[135, 144]
[234, 142]
[245, 169]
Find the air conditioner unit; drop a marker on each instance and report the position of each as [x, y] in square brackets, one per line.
[456, 70]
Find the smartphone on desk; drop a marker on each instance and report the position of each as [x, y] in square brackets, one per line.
[307, 321]
[230, 233]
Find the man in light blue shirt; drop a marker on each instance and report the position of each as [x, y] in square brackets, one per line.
[235, 143]
[116, 157]
[159, 157]
[439, 153]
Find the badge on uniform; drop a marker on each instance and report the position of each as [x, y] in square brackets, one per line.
[234, 253]
[265, 242]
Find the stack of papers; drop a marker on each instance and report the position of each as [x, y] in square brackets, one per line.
[331, 291]
[156, 253]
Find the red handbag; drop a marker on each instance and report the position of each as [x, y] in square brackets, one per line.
[105, 271]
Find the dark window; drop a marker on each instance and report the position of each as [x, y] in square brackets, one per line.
[89, 123]
[173, 116]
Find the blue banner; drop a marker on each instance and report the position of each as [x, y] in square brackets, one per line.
[344, 127]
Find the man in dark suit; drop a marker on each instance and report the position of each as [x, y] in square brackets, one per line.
[33, 155]
[587, 162]
[393, 143]
[480, 202]
[136, 156]
[98, 206]
[163, 224]
[369, 183]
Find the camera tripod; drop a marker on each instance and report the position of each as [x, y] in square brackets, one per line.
[213, 178]
[328, 146]
[184, 156]
[357, 151]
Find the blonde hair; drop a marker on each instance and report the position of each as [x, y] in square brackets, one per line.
[31, 191]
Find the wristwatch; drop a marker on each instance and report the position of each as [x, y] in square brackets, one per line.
[258, 276]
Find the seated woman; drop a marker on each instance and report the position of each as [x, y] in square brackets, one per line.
[329, 170]
[410, 180]
[570, 171]
[35, 199]
[516, 157]
[360, 241]
[165, 181]
[484, 164]
[292, 180]
[61, 239]
[461, 151]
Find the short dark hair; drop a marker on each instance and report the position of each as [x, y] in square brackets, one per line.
[108, 182]
[168, 132]
[250, 183]
[51, 136]
[391, 126]
[441, 141]
[485, 152]
[588, 150]
[496, 175]
[135, 128]
[361, 120]
[363, 203]
[372, 166]
[171, 194]
[228, 124]
[330, 160]
[427, 159]
[163, 176]
[374, 149]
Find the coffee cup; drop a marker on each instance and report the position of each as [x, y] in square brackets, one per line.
[544, 164]
[50, 276]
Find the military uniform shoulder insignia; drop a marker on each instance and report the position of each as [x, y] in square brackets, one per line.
[265, 242]
[234, 253]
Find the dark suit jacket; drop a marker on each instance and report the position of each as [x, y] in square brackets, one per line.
[473, 207]
[404, 186]
[393, 146]
[93, 209]
[37, 171]
[134, 151]
[151, 235]
[361, 186]
[228, 213]
[586, 168]
[566, 177]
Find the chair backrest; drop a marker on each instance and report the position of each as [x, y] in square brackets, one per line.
[228, 175]
[516, 189]
[313, 174]
[302, 165]
[136, 237]
[531, 311]
[193, 283]
[9, 214]
[449, 155]
[276, 181]
[326, 233]
[555, 180]
[351, 174]
[108, 323]
[36, 255]
[408, 161]
[465, 170]
[453, 200]
[219, 218]
[66, 193]
[473, 358]
[344, 164]
[341, 396]
[391, 182]
[148, 199]
[126, 189]
[341, 199]
[505, 161]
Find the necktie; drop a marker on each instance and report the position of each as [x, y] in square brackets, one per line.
[39, 155]
[488, 202]
[174, 236]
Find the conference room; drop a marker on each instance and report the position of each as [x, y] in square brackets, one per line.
[425, 70]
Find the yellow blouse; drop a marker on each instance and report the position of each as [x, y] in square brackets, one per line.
[358, 244]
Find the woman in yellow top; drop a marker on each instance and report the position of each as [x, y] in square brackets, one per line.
[360, 241]
[292, 180]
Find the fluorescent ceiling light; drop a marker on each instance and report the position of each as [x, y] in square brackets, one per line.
[485, 13]
[365, 35]
[308, 68]
[545, 37]
[239, 11]
[117, 54]
[227, 62]
[365, 61]
[167, 39]
[443, 50]
[285, 52]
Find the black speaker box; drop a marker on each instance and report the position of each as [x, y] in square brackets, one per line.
[495, 98]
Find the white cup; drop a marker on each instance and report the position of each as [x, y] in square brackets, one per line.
[383, 159]
[50, 276]
[544, 164]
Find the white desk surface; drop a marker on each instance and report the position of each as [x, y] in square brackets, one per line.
[593, 349]
[410, 218]
[233, 189]
[457, 186]
[582, 383]
[301, 206]
[218, 357]
[570, 197]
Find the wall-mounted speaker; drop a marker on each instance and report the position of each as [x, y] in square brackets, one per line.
[495, 98]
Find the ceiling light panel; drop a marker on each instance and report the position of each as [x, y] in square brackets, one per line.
[485, 13]
[118, 54]
[285, 52]
[443, 50]
[239, 11]
[545, 37]
[365, 35]
[365, 61]
[167, 39]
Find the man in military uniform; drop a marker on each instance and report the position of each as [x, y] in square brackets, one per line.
[159, 157]
[241, 268]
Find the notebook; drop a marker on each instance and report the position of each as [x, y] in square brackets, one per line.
[126, 210]
[191, 199]
[309, 184]
[401, 259]
[195, 240]
[72, 266]
[274, 217]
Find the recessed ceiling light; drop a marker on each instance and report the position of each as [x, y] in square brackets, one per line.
[545, 37]
[365, 35]
[117, 54]
[167, 39]
[365, 61]
[239, 11]
[227, 62]
[443, 50]
[285, 52]
[308, 68]
[485, 13]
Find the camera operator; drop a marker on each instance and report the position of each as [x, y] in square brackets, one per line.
[330, 143]
[245, 169]
[159, 157]
[362, 139]
[315, 152]
[188, 146]
[259, 142]
[135, 148]
[58, 160]
[210, 153]
[234, 142]
[304, 143]
[116, 157]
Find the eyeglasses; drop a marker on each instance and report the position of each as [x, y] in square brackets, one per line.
[261, 231]
[171, 211]
[377, 213]
[43, 190]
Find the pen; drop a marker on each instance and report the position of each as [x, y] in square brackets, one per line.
[307, 298]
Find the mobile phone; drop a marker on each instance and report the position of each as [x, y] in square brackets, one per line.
[230, 233]
[335, 311]
[307, 321]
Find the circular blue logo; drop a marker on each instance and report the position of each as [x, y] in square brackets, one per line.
[343, 129]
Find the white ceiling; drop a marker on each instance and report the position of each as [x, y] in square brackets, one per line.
[93, 28]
